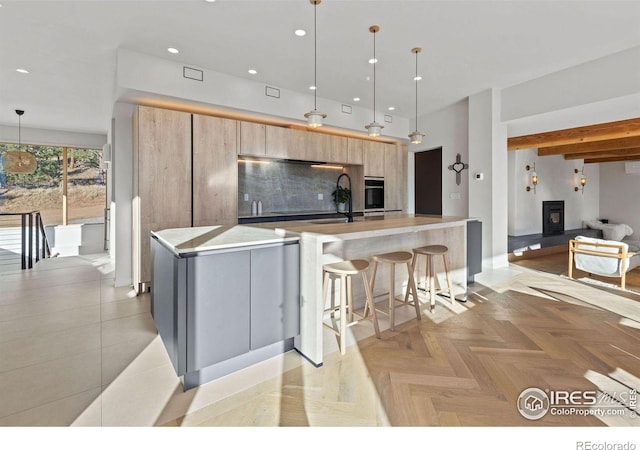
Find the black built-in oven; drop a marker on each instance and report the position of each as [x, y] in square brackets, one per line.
[373, 193]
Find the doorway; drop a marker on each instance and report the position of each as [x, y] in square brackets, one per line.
[428, 182]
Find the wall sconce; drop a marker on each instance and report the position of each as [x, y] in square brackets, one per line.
[583, 180]
[533, 178]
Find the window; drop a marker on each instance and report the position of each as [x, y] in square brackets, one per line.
[74, 192]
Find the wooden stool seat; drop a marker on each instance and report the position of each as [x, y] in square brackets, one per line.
[351, 267]
[432, 250]
[431, 279]
[345, 270]
[394, 258]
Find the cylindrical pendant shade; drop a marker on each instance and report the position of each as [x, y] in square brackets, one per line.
[374, 129]
[314, 118]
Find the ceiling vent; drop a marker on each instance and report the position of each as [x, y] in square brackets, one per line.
[632, 167]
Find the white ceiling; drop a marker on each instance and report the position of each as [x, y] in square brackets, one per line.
[69, 48]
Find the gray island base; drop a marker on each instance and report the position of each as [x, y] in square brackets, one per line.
[224, 298]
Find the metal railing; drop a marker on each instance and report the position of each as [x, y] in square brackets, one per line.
[34, 244]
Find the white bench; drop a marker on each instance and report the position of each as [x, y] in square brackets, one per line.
[602, 257]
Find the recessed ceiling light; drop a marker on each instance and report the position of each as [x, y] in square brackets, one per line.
[252, 71]
[356, 99]
[418, 78]
[173, 50]
[22, 70]
[373, 60]
[313, 88]
[391, 108]
[209, 1]
[300, 32]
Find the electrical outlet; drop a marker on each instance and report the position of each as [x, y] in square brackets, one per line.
[320, 196]
[246, 197]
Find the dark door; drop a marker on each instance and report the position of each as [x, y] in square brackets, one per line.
[428, 182]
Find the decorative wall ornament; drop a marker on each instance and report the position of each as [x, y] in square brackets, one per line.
[458, 167]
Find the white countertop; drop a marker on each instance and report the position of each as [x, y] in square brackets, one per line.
[200, 239]
[358, 229]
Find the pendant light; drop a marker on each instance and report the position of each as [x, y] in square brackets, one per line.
[314, 117]
[19, 161]
[374, 127]
[416, 136]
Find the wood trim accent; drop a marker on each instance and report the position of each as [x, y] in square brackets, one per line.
[612, 159]
[596, 146]
[630, 153]
[591, 133]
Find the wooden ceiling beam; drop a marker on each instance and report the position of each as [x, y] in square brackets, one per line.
[606, 154]
[612, 159]
[595, 146]
[591, 133]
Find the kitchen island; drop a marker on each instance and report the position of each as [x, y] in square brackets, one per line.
[225, 297]
[322, 243]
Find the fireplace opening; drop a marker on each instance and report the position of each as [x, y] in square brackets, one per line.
[552, 217]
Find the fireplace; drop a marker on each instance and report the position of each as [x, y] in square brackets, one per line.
[552, 217]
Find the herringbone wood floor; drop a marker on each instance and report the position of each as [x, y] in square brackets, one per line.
[463, 365]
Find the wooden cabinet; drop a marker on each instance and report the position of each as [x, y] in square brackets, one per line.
[215, 171]
[355, 151]
[252, 139]
[395, 193]
[373, 155]
[161, 180]
[287, 143]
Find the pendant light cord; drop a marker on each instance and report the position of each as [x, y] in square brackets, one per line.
[416, 92]
[374, 76]
[315, 57]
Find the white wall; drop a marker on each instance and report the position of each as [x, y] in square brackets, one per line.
[449, 129]
[620, 196]
[140, 78]
[557, 181]
[39, 136]
[122, 170]
[488, 199]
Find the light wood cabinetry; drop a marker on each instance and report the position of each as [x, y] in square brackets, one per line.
[252, 139]
[355, 151]
[395, 193]
[373, 155]
[161, 180]
[287, 143]
[215, 171]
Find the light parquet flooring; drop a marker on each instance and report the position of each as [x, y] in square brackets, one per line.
[465, 367]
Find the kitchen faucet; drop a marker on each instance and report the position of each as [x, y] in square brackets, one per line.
[349, 214]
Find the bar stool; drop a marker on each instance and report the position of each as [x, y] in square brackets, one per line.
[345, 269]
[394, 258]
[431, 280]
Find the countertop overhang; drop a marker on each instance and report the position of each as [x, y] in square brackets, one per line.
[188, 241]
